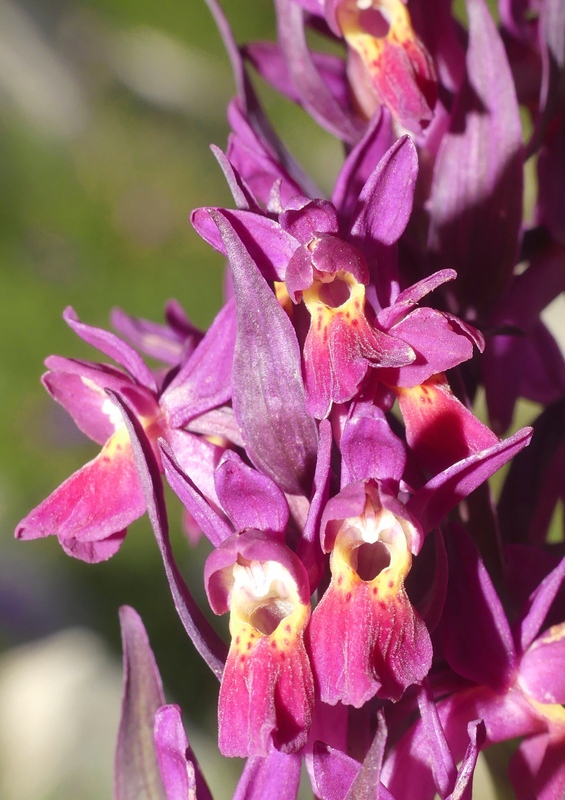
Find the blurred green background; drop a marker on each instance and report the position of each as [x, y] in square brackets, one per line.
[107, 108]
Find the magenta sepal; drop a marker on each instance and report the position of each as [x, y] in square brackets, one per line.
[171, 343]
[308, 549]
[439, 754]
[273, 777]
[315, 96]
[262, 166]
[385, 201]
[136, 774]
[263, 238]
[204, 382]
[180, 773]
[210, 522]
[112, 346]
[243, 196]
[369, 448]
[270, 63]
[205, 639]
[538, 605]
[250, 499]
[360, 163]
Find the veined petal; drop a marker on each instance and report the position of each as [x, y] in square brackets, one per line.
[380, 645]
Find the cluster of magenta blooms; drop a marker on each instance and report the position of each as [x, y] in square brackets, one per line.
[388, 619]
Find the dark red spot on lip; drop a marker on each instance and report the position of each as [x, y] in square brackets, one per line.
[340, 580]
[390, 584]
[273, 644]
[242, 659]
[249, 645]
[287, 628]
[375, 590]
[237, 639]
[348, 597]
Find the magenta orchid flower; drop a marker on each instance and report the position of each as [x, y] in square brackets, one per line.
[89, 513]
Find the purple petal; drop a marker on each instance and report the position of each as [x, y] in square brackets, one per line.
[242, 194]
[306, 220]
[112, 346]
[385, 202]
[280, 437]
[435, 500]
[361, 162]
[270, 63]
[203, 636]
[367, 785]
[205, 380]
[136, 775]
[538, 605]
[215, 528]
[369, 448]
[464, 783]
[411, 296]
[334, 772]
[478, 642]
[250, 499]
[275, 777]
[261, 163]
[167, 343]
[476, 199]
[267, 243]
[439, 754]
[179, 769]
[541, 669]
[198, 458]
[314, 94]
